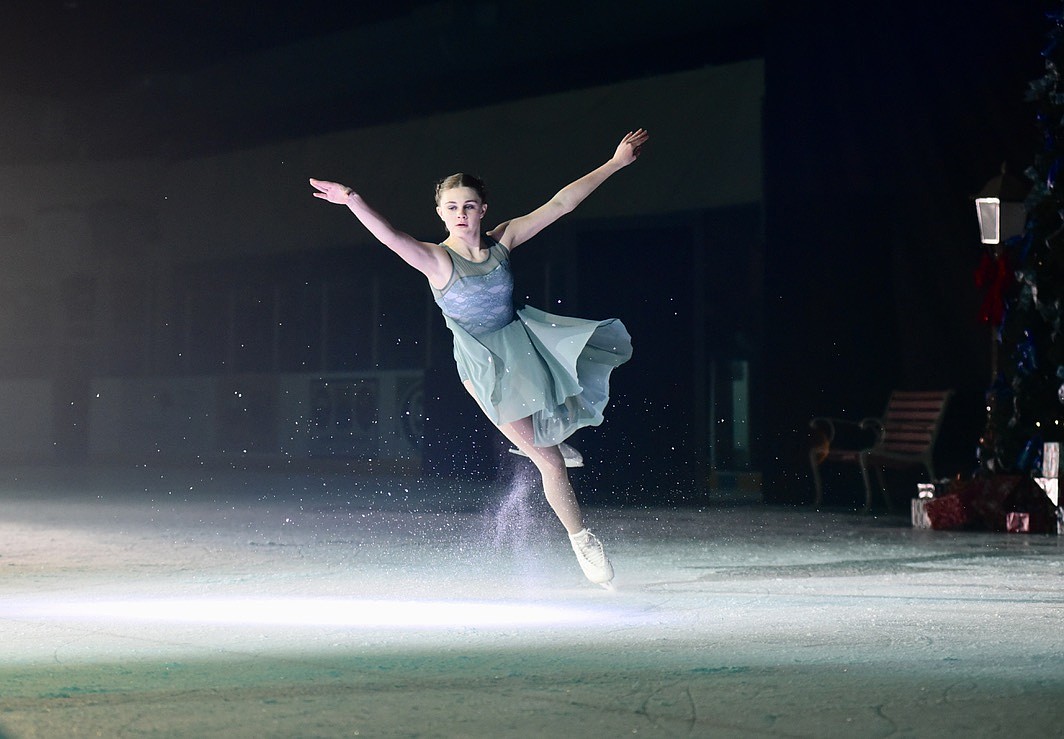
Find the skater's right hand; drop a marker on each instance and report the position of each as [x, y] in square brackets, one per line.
[334, 192]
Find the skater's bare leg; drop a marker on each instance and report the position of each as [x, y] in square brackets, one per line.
[551, 465]
[548, 460]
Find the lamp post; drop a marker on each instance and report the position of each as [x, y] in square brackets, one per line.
[1002, 215]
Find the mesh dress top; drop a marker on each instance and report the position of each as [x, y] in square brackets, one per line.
[526, 362]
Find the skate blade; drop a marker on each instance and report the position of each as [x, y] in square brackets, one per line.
[607, 586]
[570, 462]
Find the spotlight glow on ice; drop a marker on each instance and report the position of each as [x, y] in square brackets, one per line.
[309, 611]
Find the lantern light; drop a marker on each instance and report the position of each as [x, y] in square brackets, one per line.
[1000, 209]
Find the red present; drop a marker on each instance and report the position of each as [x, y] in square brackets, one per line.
[998, 503]
[947, 512]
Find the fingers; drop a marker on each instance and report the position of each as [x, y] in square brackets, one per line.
[633, 143]
[334, 192]
[635, 140]
[637, 137]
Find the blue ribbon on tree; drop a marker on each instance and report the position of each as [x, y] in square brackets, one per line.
[1026, 355]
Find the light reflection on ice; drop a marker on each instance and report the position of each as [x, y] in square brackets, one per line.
[310, 612]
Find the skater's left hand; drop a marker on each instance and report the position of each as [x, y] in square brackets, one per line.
[630, 147]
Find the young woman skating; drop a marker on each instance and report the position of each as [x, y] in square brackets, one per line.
[539, 377]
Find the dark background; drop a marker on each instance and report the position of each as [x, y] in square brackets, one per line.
[881, 121]
[881, 125]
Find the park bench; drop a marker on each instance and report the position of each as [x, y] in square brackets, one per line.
[903, 437]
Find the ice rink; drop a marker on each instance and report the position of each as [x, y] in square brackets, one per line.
[161, 603]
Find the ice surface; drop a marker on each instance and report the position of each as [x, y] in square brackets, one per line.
[174, 603]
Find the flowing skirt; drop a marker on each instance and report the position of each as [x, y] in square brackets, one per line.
[555, 369]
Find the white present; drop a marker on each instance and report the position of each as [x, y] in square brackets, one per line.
[1052, 487]
[925, 490]
[920, 519]
[1018, 523]
[1051, 459]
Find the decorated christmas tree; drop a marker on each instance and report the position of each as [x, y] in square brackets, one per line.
[1026, 275]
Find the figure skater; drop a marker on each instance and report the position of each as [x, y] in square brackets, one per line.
[537, 376]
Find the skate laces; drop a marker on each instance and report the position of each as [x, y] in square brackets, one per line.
[589, 547]
[592, 558]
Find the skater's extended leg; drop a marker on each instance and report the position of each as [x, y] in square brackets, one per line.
[559, 491]
[562, 499]
[548, 460]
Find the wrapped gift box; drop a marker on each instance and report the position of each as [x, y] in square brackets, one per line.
[997, 502]
[1052, 487]
[1051, 459]
[1018, 523]
[948, 512]
[920, 519]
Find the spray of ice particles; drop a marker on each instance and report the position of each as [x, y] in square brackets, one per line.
[512, 520]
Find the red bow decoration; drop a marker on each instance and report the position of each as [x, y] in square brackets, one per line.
[993, 275]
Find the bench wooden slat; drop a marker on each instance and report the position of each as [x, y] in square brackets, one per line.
[909, 429]
[911, 449]
[922, 437]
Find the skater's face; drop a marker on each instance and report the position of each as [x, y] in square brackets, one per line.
[461, 210]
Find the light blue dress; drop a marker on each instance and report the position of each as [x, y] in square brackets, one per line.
[526, 362]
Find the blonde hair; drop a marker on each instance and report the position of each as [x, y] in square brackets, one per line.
[461, 179]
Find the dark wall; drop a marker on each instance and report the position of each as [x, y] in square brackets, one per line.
[881, 123]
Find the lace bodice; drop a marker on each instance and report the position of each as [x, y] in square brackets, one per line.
[479, 295]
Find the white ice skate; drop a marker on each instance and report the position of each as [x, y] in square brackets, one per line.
[572, 457]
[592, 558]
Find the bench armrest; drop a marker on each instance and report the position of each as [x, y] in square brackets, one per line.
[830, 426]
[855, 434]
[875, 425]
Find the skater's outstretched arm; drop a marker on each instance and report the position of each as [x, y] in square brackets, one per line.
[429, 259]
[520, 230]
